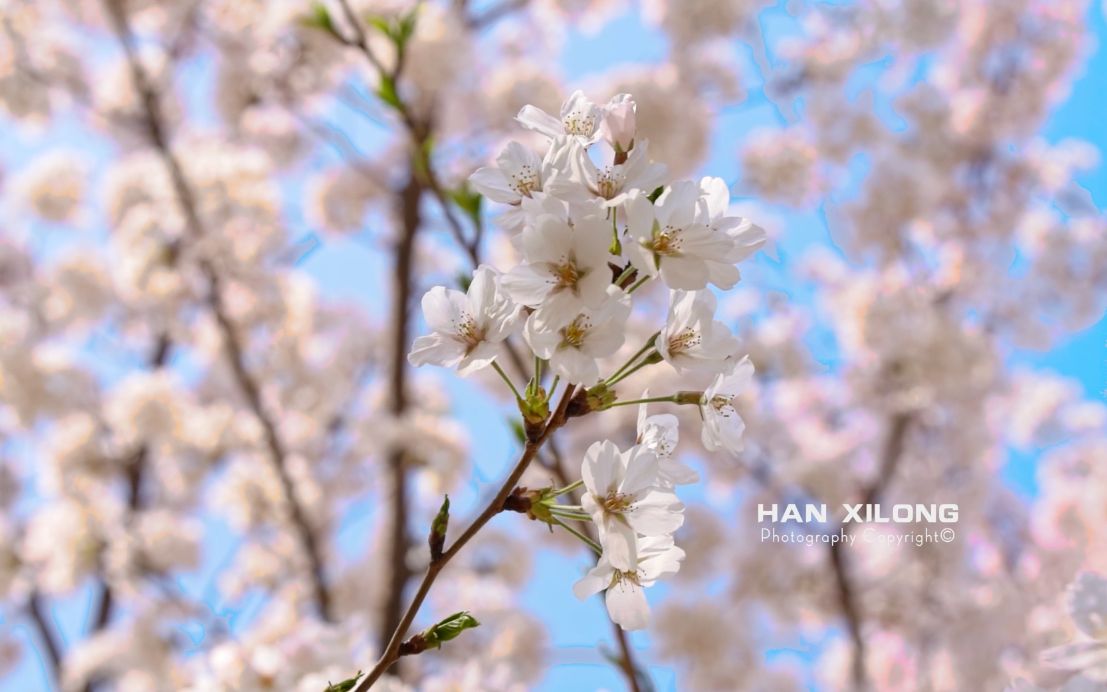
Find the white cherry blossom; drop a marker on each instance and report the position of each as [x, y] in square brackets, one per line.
[519, 174]
[667, 238]
[467, 328]
[624, 499]
[626, 595]
[574, 347]
[581, 179]
[714, 205]
[722, 426]
[692, 338]
[659, 434]
[580, 119]
[565, 268]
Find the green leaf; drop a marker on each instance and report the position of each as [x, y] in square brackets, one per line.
[655, 194]
[517, 430]
[468, 201]
[380, 23]
[450, 628]
[387, 93]
[399, 30]
[345, 685]
[437, 539]
[405, 28]
[319, 18]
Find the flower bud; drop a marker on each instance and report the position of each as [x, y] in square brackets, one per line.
[535, 409]
[619, 124]
[437, 538]
[597, 398]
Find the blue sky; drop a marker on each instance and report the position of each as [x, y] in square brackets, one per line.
[350, 269]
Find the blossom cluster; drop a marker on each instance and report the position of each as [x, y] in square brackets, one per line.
[594, 220]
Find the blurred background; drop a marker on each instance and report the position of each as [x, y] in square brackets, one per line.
[217, 470]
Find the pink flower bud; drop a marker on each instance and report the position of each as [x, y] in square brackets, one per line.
[620, 122]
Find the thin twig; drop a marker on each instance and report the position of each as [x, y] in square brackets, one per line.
[402, 287]
[494, 507]
[37, 611]
[889, 461]
[156, 130]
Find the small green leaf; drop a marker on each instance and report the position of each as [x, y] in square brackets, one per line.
[319, 18]
[439, 525]
[450, 628]
[345, 685]
[399, 30]
[517, 430]
[381, 24]
[468, 201]
[405, 28]
[387, 93]
[655, 194]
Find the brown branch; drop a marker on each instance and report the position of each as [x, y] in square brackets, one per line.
[494, 507]
[890, 457]
[152, 116]
[399, 541]
[135, 469]
[37, 611]
[850, 611]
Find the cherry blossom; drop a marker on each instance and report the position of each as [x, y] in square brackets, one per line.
[625, 501]
[580, 119]
[667, 239]
[467, 327]
[722, 426]
[692, 338]
[575, 346]
[626, 588]
[565, 268]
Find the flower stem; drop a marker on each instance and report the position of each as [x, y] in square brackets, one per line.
[615, 380]
[638, 283]
[506, 379]
[569, 488]
[578, 515]
[630, 361]
[650, 400]
[588, 541]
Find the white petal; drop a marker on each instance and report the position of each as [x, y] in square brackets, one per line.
[527, 285]
[540, 121]
[620, 544]
[594, 582]
[627, 606]
[491, 183]
[601, 467]
[435, 349]
[443, 308]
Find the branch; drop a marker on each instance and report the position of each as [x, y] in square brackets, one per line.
[494, 507]
[399, 541]
[135, 468]
[890, 458]
[156, 130]
[46, 634]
